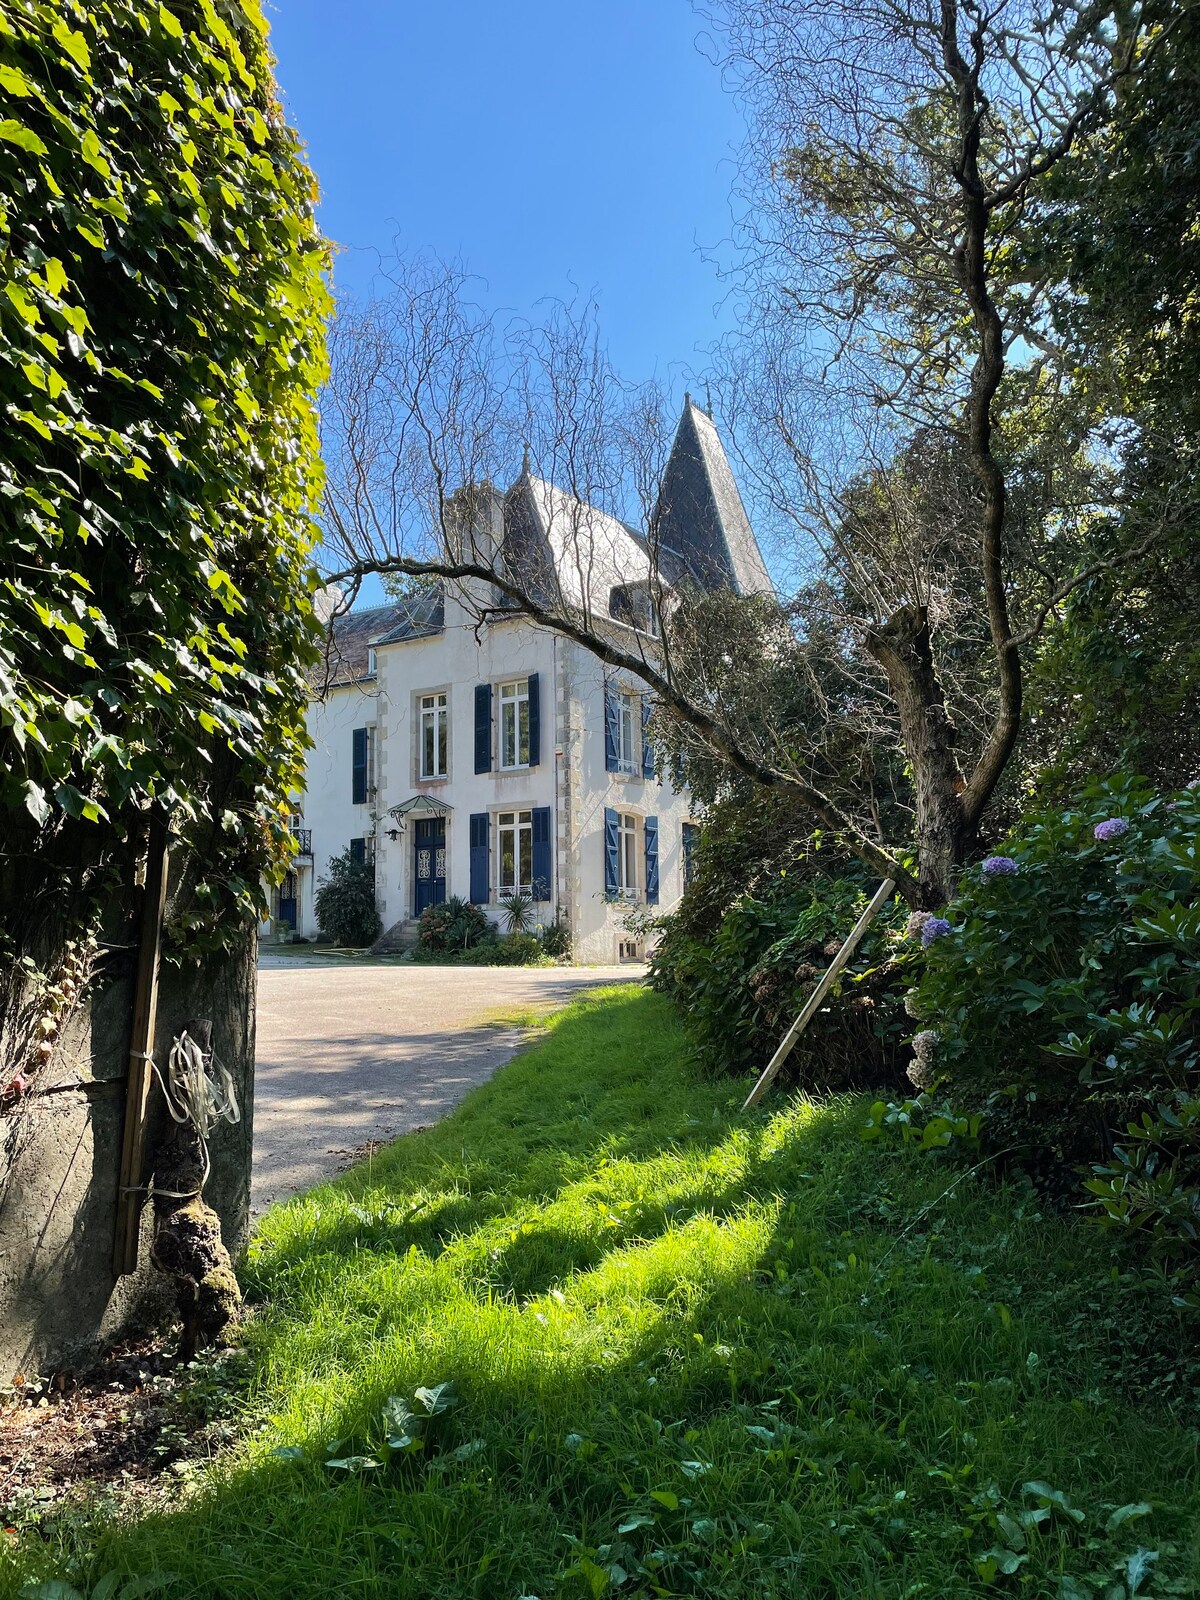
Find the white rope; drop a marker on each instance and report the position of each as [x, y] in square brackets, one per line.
[197, 1098]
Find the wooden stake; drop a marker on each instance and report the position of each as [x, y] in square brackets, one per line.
[882, 895]
[141, 1043]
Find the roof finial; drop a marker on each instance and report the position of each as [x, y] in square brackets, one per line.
[525, 461]
[708, 398]
[687, 398]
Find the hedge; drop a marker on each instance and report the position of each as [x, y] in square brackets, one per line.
[162, 303]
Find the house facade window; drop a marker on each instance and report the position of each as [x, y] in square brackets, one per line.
[514, 724]
[515, 853]
[435, 736]
[627, 712]
[627, 833]
[690, 835]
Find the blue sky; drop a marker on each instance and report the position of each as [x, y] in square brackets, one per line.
[555, 146]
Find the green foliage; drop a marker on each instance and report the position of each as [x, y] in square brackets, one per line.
[740, 988]
[693, 1352]
[517, 949]
[454, 924]
[161, 341]
[556, 941]
[1115, 681]
[924, 1122]
[519, 912]
[1065, 1000]
[346, 908]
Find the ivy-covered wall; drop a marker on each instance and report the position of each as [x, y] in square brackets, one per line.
[161, 342]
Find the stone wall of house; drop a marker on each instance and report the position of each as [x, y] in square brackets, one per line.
[60, 1152]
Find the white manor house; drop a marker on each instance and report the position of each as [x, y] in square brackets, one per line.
[481, 758]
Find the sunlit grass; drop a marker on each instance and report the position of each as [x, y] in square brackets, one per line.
[695, 1354]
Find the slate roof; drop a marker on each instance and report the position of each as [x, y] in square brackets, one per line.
[418, 616]
[347, 644]
[700, 524]
[699, 531]
[548, 532]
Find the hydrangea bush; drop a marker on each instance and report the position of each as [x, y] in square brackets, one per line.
[1065, 996]
[740, 988]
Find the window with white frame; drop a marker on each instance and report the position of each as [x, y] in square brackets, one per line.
[514, 724]
[628, 755]
[435, 736]
[515, 853]
[627, 832]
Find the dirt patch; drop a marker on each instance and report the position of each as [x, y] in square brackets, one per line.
[121, 1425]
[359, 1153]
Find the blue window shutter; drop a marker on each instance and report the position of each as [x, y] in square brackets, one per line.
[612, 865]
[535, 734]
[650, 829]
[541, 852]
[358, 850]
[483, 727]
[480, 890]
[358, 776]
[612, 732]
[647, 747]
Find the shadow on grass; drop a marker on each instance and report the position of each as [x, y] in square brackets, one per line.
[694, 1354]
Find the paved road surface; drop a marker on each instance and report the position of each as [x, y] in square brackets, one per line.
[349, 1053]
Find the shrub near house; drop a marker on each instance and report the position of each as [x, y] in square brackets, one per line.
[346, 908]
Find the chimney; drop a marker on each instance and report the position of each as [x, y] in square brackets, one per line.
[475, 525]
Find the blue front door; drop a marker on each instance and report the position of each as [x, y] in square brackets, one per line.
[430, 863]
[287, 901]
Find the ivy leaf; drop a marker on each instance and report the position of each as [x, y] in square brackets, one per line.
[73, 42]
[15, 82]
[16, 133]
[36, 803]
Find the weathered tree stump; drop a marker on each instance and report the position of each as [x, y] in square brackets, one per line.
[187, 1243]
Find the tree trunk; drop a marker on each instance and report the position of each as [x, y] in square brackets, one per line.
[944, 835]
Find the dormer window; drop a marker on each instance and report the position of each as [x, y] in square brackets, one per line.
[633, 605]
[371, 662]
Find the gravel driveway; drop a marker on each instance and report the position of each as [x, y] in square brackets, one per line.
[349, 1053]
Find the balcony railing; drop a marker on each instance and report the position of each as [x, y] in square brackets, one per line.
[303, 838]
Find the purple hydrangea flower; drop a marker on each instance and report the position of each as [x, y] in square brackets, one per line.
[1000, 867]
[1113, 828]
[915, 926]
[934, 929]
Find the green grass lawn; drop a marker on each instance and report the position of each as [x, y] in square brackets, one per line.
[693, 1353]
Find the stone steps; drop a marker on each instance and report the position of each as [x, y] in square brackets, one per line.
[399, 937]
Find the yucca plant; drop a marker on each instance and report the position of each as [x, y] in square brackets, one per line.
[518, 912]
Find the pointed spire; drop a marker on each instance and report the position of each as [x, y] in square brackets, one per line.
[699, 518]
